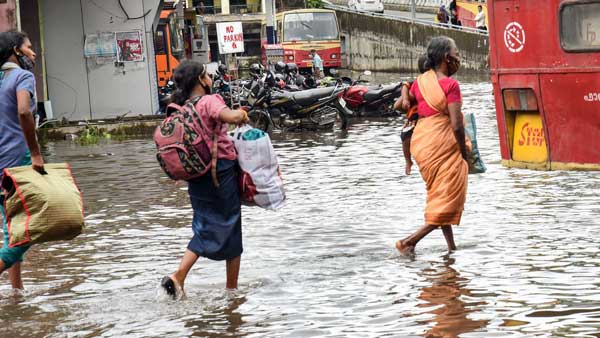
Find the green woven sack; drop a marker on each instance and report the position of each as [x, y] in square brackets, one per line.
[42, 208]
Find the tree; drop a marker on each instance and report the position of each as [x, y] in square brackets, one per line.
[314, 3]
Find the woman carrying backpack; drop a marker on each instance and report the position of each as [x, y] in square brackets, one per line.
[217, 222]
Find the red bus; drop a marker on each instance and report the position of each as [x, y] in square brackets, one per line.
[545, 64]
[301, 30]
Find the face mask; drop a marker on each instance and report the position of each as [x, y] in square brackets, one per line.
[25, 62]
[453, 65]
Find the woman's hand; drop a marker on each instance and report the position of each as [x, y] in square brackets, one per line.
[237, 116]
[37, 162]
[405, 103]
[408, 168]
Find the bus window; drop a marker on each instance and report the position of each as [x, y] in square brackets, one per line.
[580, 27]
[176, 36]
[310, 26]
[160, 41]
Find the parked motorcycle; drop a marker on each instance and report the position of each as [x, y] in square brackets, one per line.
[313, 109]
[371, 100]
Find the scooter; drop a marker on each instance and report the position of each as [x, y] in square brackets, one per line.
[164, 96]
[371, 100]
[312, 109]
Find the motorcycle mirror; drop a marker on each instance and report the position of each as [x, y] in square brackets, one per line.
[170, 83]
[367, 73]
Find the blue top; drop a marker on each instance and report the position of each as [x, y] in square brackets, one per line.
[13, 146]
[317, 62]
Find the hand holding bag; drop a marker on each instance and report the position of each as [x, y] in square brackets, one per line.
[42, 208]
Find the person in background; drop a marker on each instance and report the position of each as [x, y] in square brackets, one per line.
[18, 141]
[439, 144]
[317, 64]
[217, 222]
[442, 15]
[480, 19]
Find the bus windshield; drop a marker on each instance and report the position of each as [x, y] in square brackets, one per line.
[310, 26]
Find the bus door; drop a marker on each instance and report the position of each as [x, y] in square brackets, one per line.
[168, 47]
[517, 38]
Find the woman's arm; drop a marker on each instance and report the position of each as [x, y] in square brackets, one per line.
[456, 119]
[28, 125]
[236, 116]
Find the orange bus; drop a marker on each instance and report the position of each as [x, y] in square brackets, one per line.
[301, 30]
[168, 46]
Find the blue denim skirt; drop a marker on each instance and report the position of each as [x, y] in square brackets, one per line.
[217, 222]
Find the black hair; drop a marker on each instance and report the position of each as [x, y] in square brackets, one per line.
[480, 7]
[438, 48]
[186, 78]
[8, 41]
[422, 63]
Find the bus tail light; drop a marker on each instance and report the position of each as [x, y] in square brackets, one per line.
[520, 99]
[334, 56]
[290, 58]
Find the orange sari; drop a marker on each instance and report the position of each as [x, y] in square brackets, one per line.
[434, 147]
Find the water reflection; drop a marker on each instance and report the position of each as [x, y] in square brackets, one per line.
[445, 296]
[325, 265]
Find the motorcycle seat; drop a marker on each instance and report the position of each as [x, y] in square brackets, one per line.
[374, 94]
[310, 96]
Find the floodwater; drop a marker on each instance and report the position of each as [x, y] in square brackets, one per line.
[527, 263]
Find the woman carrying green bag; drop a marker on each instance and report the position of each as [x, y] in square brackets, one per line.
[18, 142]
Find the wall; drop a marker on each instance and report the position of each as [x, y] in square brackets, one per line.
[380, 44]
[81, 88]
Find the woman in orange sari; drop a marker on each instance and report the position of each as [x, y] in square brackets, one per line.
[438, 143]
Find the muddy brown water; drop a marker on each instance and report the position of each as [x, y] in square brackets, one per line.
[324, 266]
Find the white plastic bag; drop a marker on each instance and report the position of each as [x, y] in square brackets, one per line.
[260, 179]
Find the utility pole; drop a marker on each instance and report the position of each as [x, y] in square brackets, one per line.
[270, 14]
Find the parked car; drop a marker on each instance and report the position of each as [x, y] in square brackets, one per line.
[367, 5]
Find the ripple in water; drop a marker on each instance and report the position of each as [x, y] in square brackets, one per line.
[325, 265]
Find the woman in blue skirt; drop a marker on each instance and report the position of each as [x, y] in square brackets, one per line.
[217, 223]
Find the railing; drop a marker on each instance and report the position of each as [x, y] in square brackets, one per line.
[234, 9]
[245, 9]
[409, 19]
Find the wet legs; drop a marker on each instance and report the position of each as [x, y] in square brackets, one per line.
[233, 271]
[407, 245]
[14, 274]
[188, 260]
[447, 230]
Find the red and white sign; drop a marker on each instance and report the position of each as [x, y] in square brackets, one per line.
[231, 37]
[514, 37]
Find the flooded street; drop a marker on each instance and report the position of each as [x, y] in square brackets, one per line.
[325, 265]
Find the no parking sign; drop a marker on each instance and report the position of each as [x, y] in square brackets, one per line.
[231, 37]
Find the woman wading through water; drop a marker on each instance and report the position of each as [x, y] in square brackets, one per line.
[217, 223]
[438, 143]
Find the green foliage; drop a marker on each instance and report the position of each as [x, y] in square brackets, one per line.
[92, 135]
[314, 3]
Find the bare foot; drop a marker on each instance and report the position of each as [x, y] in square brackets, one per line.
[405, 249]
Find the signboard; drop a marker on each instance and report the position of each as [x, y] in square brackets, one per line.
[231, 37]
[130, 46]
[100, 45]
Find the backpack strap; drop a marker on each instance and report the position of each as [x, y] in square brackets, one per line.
[215, 141]
[214, 153]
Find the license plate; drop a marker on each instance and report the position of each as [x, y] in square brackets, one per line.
[343, 102]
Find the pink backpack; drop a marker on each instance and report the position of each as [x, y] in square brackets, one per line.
[185, 149]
